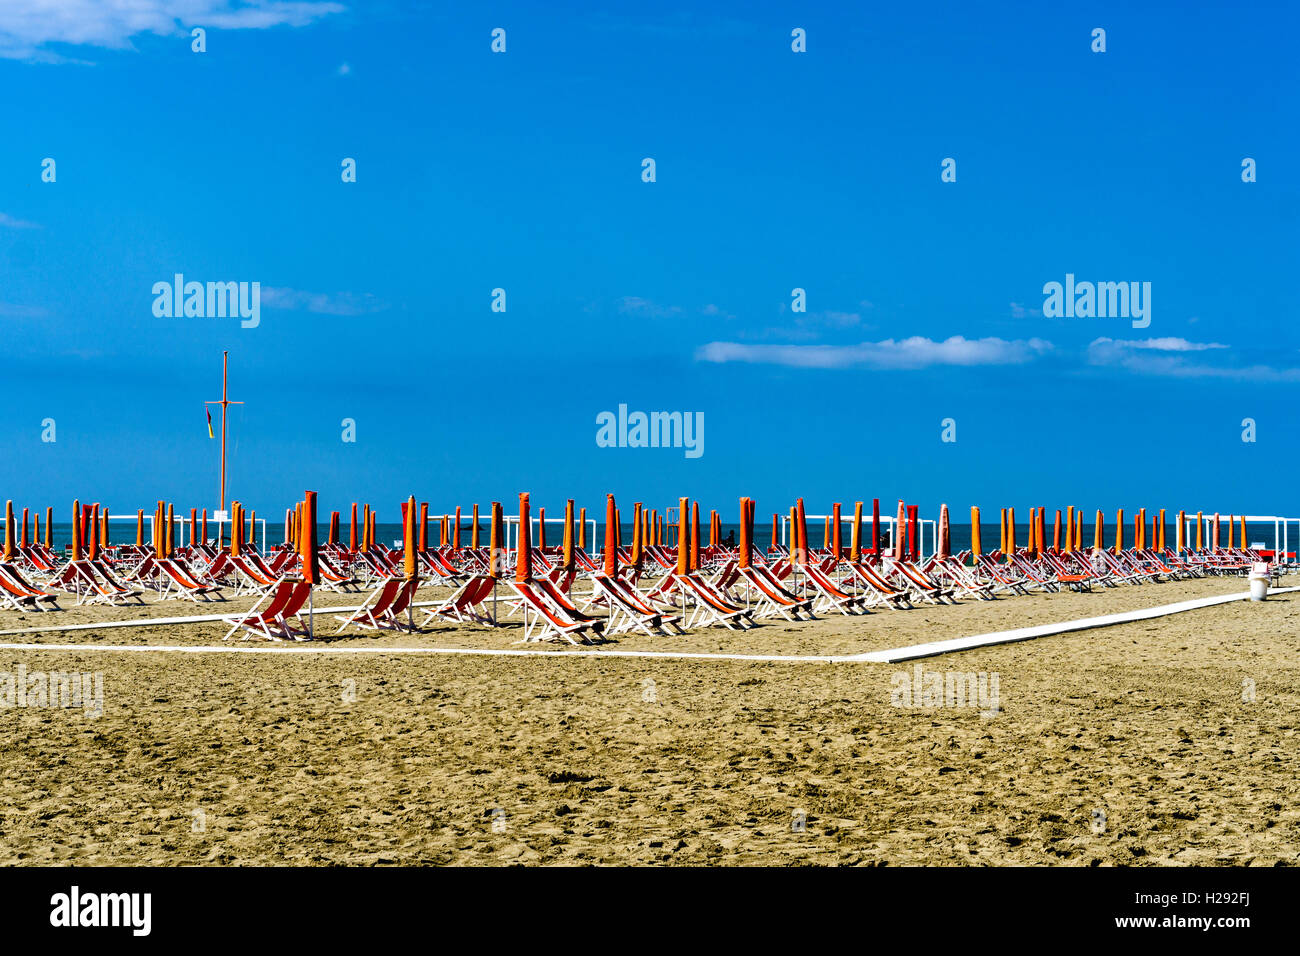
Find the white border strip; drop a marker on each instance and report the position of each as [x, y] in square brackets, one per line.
[883, 657]
[1043, 630]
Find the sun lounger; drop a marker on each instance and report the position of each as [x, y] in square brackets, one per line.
[286, 600]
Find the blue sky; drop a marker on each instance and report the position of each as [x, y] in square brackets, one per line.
[775, 170]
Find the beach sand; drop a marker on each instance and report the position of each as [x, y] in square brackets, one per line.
[1132, 744]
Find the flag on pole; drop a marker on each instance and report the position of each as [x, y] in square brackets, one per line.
[210, 435]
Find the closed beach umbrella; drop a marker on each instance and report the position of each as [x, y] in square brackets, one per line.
[496, 543]
[1119, 530]
[611, 538]
[235, 529]
[746, 533]
[541, 528]
[307, 552]
[473, 534]
[352, 536]
[524, 557]
[1099, 532]
[803, 530]
[1180, 539]
[837, 543]
[694, 536]
[943, 545]
[423, 536]
[1070, 542]
[1214, 532]
[776, 522]
[92, 546]
[683, 536]
[9, 531]
[22, 542]
[1056, 532]
[36, 529]
[76, 530]
[900, 531]
[638, 534]
[567, 562]
[855, 536]
[49, 529]
[334, 528]
[410, 560]
[1243, 532]
[455, 534]
[975, 544]
[875, 526]
[1011, 533]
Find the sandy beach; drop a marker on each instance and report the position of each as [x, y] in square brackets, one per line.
[1169, 741]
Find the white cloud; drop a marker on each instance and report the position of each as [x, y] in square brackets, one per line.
[27, 26]
[1165, 344]
[910, 353]
[635, 305]
[9, 222]
[10, 310]
[1169, 357]
[338, 303]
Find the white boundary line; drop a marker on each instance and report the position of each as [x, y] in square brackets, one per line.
[890, 656]
[1043, 630]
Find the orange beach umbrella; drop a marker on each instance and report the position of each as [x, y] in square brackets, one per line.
[855, 536]
[567, 562]
[307, 539]
[975, 548]
[837, 540]
[76, 530]
[611, 538]
[524, 557]
[683, 536]
[411, 561]
[496, 543]
[9, 531]
[746, 533]
[638, 534]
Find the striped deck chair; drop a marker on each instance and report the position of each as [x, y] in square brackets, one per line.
[286, 600]
[629, 611]
[467, 604]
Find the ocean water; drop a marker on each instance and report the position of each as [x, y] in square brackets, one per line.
[123, 532]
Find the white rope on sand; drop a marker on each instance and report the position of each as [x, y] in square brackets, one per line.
[890, 656]
[1043, 630]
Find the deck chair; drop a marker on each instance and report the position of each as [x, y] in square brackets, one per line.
[286, 600]
[466, 604]
[705, 607]
[550, 620]
[877, 588]
[771, 596]
[172, 579]
[629, 611]
[21, 594]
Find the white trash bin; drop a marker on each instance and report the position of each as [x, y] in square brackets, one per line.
[1259, 582]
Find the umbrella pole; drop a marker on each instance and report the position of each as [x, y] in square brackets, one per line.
[311, 610]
